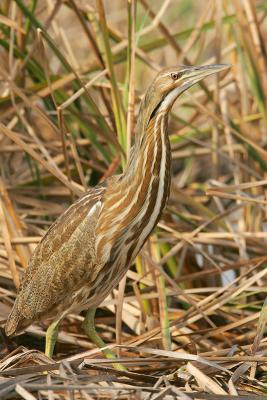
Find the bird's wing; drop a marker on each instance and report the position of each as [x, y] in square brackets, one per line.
[61, 231]
[58, 263]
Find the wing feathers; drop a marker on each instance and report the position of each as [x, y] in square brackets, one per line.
[59, 263]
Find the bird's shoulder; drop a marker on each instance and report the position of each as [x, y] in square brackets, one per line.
[68, 222]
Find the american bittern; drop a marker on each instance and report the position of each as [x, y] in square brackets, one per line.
[87, 251]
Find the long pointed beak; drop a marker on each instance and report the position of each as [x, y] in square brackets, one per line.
[197, 73]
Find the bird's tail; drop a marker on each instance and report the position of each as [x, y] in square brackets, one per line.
[16, 322]
[12, 323]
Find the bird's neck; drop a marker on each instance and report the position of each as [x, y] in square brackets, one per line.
[151, 152]
[148, 171]
[133, 205]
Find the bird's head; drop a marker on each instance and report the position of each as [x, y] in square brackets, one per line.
[170, 83]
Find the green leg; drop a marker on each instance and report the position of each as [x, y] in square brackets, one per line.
[89, 327]
[51, 338]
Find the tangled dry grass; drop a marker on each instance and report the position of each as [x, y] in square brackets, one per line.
[189, 319]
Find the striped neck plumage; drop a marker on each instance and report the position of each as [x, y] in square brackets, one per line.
[151, 129]
[134, 204]
[147, 176]
[149, 147]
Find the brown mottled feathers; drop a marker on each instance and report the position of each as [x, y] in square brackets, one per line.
[59, 263]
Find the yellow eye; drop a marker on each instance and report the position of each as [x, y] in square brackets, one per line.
[174, 76]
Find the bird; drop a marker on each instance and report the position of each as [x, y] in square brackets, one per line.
[89, 248]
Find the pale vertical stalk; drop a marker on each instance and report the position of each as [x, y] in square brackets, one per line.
[140, 271]
[131, 72]
[163, 305]
[119, 309]
[116, 100]
[215, 129]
